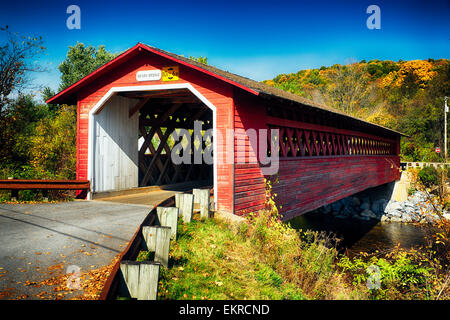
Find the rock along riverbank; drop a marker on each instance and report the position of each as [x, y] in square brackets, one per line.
[416, 209]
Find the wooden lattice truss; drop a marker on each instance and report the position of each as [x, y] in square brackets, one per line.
[298, 142]
[306, 132]
[160, 113]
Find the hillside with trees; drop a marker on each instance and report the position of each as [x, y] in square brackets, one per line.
[407, 96]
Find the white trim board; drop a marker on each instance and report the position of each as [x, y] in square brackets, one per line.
[98, 106]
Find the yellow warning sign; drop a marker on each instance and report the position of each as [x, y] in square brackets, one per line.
[170, 73]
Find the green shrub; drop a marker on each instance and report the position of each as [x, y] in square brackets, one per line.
[429, 176]
[411, 191]
[401, 277]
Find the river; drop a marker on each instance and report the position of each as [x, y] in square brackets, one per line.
[363, 236]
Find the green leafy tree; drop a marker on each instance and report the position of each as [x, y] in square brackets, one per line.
[53, 147]
[21, 119]
[348, 88]
[200, 59]
[429, 176]
[81, 61]
[47, 93]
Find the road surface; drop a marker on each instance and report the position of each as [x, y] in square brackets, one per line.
[39, 241]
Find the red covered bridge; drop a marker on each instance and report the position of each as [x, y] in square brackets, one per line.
[128, 109]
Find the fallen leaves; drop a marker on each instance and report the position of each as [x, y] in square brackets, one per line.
[85, 252]
[91, 284]
[6, 293]
[41, 294]
[59, 266]
[29, 283]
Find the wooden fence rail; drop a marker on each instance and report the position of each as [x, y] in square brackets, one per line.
[18, 184]
[420, 165]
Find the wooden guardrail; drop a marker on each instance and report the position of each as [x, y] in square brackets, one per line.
[139, 280]
[407, 165]
[18, 184]
[115, 280]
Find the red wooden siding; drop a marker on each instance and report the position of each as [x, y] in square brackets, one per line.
[318, 164]
[309, 183]
[218, 93]
[249, 186]
[321, 164]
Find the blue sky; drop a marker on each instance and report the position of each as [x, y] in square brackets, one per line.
[256, 39]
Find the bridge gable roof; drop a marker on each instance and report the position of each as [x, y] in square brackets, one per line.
[69, 95]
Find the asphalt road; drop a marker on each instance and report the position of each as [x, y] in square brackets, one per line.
[39, 241]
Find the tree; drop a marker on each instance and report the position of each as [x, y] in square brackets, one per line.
[53, 147]
[81, 61]
[348, 87]
[200, 59]
[16, 63]
[18, 125]
[47, 93]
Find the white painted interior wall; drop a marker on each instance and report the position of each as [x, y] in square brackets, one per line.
[116, 157]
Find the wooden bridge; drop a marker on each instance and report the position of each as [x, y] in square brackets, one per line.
[321, 155]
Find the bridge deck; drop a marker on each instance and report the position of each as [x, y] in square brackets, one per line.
[150, 198]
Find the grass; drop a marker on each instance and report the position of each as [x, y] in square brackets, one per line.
[257, 259]
[263, 258]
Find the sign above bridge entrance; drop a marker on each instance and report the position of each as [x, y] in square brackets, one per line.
[148, 75]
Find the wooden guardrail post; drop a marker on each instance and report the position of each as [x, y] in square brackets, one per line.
[178, 202]
[195, 192]
[185, 202]
[141, 279]
[202, 197]
[45, 195]
[168, 217]
[157, 240]
[14, 193]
